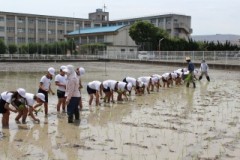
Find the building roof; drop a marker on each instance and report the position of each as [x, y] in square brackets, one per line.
[96, 30]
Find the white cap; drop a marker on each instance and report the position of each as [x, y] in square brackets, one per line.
[51, 70]
[62, 67]
[65, 70]
[21, 92]
[41, 96]
[81, 70]
[129, 86]
[188, 58]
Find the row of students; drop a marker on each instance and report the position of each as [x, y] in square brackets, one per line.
[68, 83]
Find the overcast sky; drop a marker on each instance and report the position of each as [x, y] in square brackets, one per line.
[208, 16]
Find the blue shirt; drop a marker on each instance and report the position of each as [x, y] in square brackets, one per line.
[190, 67]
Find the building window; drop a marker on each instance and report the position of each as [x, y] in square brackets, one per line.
[10, 39]
[2, 29]
[153, 20]
[10, 29]
[100, 39]
[31, 21]
[69, 23]
[31, 30]
[131, 50]
[104, 25]
[21, 20]
[91, 39]
[60, 31]
[1, 19]
[10, 19]
[61, 23]
[21, 39]
[31, 40]
[41, 40]
[122, 50]
[119, 23]
[97, 25]
[51, 22]
[51, 31]
[21, 30]
[42, 31]
[41, 21]
[51, 40]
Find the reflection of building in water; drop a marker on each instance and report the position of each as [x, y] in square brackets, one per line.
[24, 28]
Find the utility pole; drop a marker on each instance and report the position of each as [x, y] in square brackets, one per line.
[159, 43]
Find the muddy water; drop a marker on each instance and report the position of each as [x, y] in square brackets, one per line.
[175, 123]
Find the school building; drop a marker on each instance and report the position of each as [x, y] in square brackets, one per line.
[23, 28]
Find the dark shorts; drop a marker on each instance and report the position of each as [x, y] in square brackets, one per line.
[45, 94]
[90, 90]
[2, 104]
[106, 90]
[60, 94]
[164, 80]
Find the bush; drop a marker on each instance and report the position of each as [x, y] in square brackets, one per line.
[12, 48]
[3, 47]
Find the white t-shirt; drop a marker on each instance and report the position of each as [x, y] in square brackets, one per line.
[7, 96]
[121, 86]
[46, 82]
[174, 75]
[109, 83]
[30, 100]
[145, 80]
[156, 78]
[62, 80]
[131, 80]
[166, 76]
[178, 72]
[94, 85]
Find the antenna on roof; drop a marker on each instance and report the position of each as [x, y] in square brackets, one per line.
[104, 7]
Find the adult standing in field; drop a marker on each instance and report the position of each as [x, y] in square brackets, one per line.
[94, 88]
[72, 94]
[80, 71]
[15, 98]
[45, 87]
[190, 77]
[60, 81]
[204, 70]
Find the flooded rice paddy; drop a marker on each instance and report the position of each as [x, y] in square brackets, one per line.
[174, 123]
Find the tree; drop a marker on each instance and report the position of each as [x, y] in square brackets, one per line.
[143, 32]
[71, 45]
[147, 35]
[3, 47]
[12, 48]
